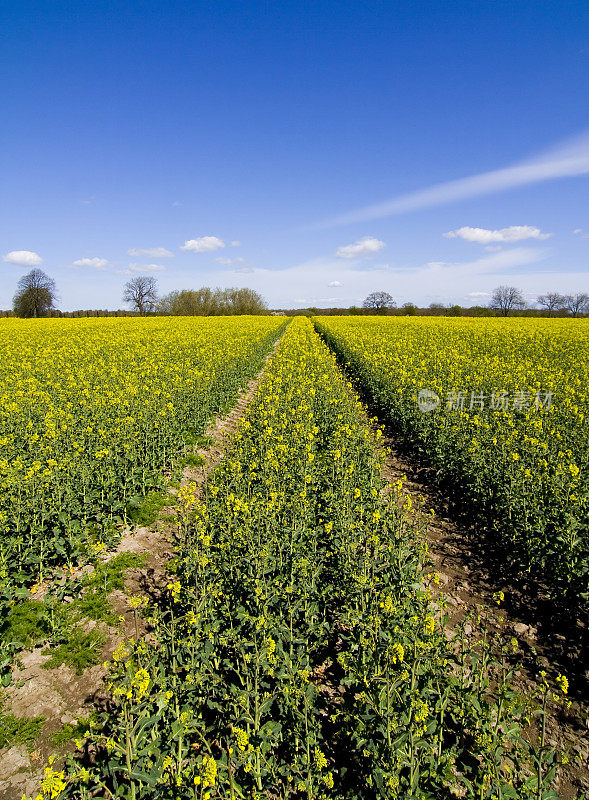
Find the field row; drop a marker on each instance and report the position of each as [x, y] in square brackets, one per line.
[500, 408]
[297, 652]
[92, 414]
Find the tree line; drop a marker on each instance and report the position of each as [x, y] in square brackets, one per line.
[504, 301]
[36, 295]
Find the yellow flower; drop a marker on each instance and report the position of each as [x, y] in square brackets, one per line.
[174, 589]
[398, 653]
[499, 597]
[241, 738]
[320, 760]
[563, 683]
[140, 683]
[53, 783]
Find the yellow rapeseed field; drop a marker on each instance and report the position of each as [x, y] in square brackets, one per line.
[92, 412]
[502, 413]
[297, 652]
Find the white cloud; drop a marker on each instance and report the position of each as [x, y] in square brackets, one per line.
[236, 243]
[579, 232]
[95, 263]
[150, 252]
[204, 244]
[450, 280]
[23, 258]
[515, 233]
[479, 294]
[335, 283]
[363, 248]
[567, 159]
[146, 267]
[229, 261]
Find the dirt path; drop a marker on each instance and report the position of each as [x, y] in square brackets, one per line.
[59, 695]
[469, 576]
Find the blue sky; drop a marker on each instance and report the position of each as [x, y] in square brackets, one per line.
[294, 146]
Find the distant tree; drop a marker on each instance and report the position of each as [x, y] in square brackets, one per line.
[354, 311]
[241, 301]
[577, 303]
[481, 311]
[436, 308]
[164, 304]
[551, 302]
[35, 294]
[506, 299]
[207, 302]
[378, 301]
[188, 303]
[455, 311]
[141, 293]
[410, 309]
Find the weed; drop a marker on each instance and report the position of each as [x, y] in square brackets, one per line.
[145, 509]
[191, 437]
[15, 731]
[80, 650]
[26, 624]
[192, 460]
[110, 575]
[77, 730]
[94, 604]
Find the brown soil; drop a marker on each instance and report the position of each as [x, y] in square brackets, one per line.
[60, 695]
[470, 572]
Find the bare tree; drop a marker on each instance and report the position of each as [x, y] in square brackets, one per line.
[507, 298]
[141, 293]
[379, 301]
[35, 294]
[577, 303]
[553, 301]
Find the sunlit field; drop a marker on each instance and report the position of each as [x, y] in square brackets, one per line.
[503, 416]
[299, 647]
[93, 412]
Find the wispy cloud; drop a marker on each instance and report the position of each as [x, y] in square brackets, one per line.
[23, 258]
[580, 232]
[229, 261]
[146, 268]
[568, 159]
[335, 284]
[204, 244]
[150, 252]
[95, 263]
[363, 248]
[515, 233]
